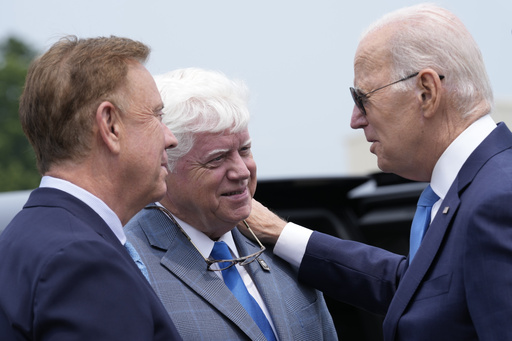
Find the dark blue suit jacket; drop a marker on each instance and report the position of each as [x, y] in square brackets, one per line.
[64, 275]
[459, 285]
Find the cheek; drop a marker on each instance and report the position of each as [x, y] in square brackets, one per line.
[253, 180]
[251, 166]
[208, 186]
[252, 184]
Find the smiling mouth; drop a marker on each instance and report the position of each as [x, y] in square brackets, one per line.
[232, 193]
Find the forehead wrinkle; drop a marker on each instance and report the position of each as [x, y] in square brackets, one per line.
[225, 150]
[232, 145]
[146, 110]
[369, 58]
[373, 55]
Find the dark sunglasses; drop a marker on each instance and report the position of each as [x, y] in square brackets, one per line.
[359, 97]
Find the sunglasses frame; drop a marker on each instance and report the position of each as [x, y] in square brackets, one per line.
[358, 96]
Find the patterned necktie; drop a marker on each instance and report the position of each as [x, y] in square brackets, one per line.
[136, 258]
[421, 219]
[235, 283]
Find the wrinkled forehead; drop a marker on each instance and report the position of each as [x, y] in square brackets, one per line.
[225, 140]
[373, 54]
[140, 89]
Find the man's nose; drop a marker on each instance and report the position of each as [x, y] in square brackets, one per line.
[358, 119]
[239, 169]
[170, 140]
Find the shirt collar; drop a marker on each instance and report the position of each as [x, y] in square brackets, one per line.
[203, 243]
[454, 157]
[109, 216]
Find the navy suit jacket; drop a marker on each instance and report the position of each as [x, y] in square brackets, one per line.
[459, 284]
[64, 275]
[202, 306]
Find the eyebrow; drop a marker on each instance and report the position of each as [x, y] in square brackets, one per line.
[225, 150]
[158, 108]
[216, 151]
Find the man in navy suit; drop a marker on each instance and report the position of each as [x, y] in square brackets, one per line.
[423, 99]
[65, 275]
[211, 181]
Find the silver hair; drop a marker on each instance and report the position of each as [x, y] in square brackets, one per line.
[197, 101]
[428, 36]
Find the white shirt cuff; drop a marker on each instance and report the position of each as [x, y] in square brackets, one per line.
[292, 243]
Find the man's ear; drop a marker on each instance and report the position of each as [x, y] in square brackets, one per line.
[430, 91]
[108, 121]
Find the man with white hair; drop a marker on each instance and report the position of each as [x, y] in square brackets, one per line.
[215, 283]
[423, 99]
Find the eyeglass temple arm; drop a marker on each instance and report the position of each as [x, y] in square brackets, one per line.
[255, 238]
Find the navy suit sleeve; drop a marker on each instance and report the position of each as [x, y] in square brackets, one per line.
[352, 272]
[88, 291]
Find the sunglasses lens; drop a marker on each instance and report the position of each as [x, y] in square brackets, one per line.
[357, 100]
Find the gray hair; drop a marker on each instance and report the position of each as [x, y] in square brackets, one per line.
[198, 101]
[428, 36]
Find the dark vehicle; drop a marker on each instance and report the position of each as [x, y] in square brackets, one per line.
[376, 209]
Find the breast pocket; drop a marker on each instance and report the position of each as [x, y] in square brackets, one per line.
[434, 287]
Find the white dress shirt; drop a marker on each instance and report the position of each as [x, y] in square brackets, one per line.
[293, 240]
[110, 218]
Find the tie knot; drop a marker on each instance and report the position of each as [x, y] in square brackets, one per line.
[221, 251]
[428, 197]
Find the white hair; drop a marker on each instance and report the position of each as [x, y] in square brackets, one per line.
[428, 36]
[197, 101]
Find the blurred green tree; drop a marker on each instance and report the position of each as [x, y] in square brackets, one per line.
[18, 165]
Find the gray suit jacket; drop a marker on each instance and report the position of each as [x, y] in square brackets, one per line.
[200, 304]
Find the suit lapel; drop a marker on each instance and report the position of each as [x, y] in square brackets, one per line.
[421, 262]
[185, 262]
[499, 140]
[266, 283]
[54, 197]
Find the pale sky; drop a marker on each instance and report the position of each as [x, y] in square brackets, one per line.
[296, 57]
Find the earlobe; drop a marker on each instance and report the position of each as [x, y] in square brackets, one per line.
[107, 119]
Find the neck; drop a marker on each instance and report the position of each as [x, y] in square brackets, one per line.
[99, 184]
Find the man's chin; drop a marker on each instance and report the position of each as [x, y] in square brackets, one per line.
[159, 192]
[242, 214]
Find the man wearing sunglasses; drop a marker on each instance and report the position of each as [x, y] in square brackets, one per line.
[423, 98]
[215, 283]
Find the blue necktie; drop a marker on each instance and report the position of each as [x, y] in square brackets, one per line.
[136, 258]
[235, 283]
[421, 219]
